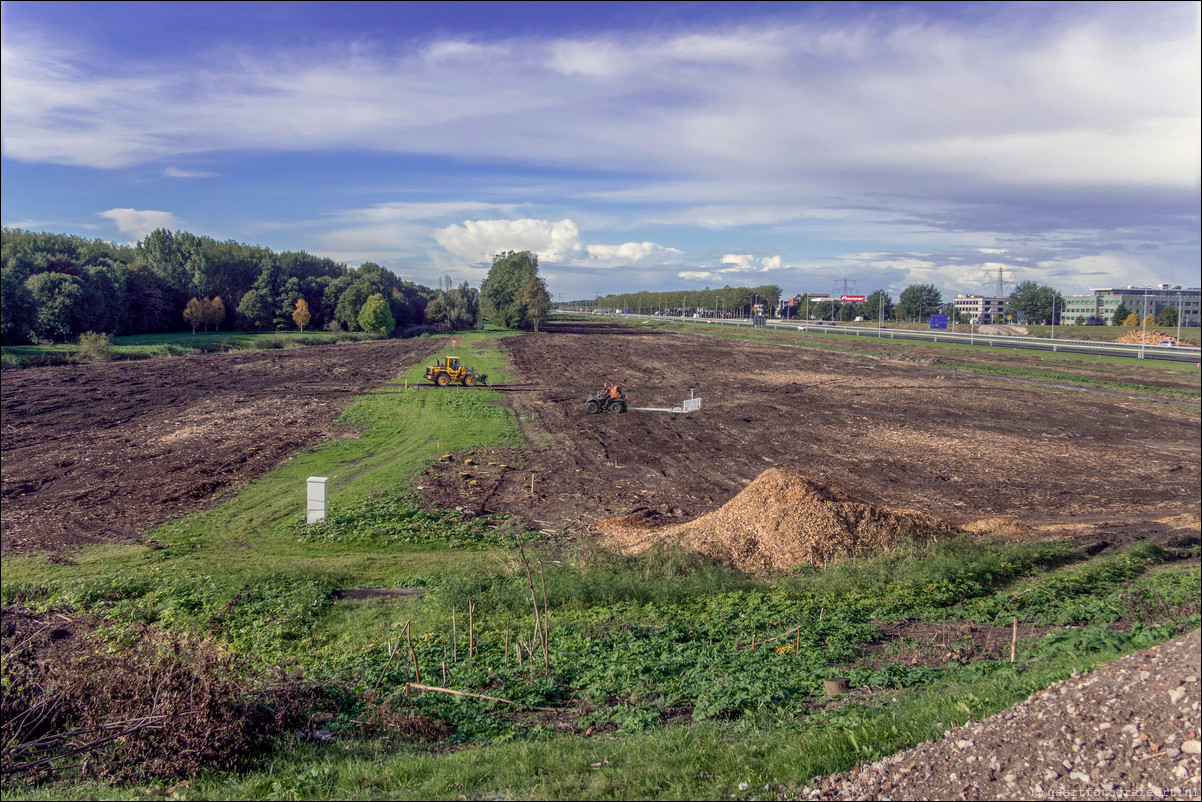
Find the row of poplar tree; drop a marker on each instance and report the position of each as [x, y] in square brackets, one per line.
[58, 286]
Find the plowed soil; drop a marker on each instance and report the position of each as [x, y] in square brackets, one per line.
[980, 452]
[100, 452]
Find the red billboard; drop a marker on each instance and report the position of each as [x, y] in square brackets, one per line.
[851, 299]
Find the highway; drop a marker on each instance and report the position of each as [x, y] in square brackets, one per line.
[1131, 351]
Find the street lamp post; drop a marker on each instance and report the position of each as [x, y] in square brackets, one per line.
[1179, 318]
[1143, 341]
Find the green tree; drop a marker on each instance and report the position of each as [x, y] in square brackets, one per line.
[1036, 301]
[509, 296]
[436, 311]
[255, 310]
[1167, 316]
[918, 300]
[17, 308]
[376, 315]
[1120, 314]
[58, 299]
[874, 304]
[535, 303]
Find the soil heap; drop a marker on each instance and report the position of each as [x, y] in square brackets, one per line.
[779, 521]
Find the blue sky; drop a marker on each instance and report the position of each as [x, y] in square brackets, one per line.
[633, 146]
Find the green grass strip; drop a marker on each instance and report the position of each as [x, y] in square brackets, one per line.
[1066, 378]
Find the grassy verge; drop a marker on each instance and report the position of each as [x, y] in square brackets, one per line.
[146, 346]
[1070, 378]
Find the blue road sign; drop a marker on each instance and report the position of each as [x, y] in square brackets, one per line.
[938, 322]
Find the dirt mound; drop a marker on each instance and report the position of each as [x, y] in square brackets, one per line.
[778, 522]
[997, 328]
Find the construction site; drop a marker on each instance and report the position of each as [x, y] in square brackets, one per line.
[970, 451]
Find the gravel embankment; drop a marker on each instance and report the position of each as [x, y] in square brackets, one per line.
[1128, 730]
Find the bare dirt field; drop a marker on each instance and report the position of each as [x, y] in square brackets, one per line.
[984, 453]
[100, 452]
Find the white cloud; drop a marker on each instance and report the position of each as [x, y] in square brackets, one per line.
[1092, 99]
[175, 172]
[551, 240]
[480, 240]
[745, 263]
[137, 223]
[633, 253]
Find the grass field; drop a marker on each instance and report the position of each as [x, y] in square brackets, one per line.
[145, 346]
[692, 681]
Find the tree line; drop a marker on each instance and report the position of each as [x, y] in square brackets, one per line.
[1037, 303]
[725, 302]
[58, 286]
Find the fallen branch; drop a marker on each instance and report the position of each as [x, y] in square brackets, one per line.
[476, 696]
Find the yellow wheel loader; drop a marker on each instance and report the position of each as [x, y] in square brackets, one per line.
[447, 369]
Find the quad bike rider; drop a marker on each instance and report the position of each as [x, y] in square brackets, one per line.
[610, 399]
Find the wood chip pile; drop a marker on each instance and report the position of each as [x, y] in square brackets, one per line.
[780, 521]
[1151, 337]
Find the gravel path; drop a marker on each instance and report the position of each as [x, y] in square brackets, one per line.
[1128, 730]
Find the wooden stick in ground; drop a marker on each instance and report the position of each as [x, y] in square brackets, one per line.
[1014, 641]
[507, 642]
[797, 643]
[538, 629]
[417, 672]
[454, 638]
[471, 628]
[475, 696]
[542, 578]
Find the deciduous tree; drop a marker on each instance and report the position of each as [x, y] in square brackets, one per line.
[194, 313]
[300, 315]
[255, 310]
[1036, 301]
[918, 300]
[376, 315]
[215, 313]
[513, 296]
[58, 298]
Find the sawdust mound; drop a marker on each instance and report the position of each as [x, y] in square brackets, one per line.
[780, 521]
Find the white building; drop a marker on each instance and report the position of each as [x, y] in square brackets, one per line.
[981, 309]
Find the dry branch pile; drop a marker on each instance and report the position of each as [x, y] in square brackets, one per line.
[1150, 337]
[780, 521]
[162, 704]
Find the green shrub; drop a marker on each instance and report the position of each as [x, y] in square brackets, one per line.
[95, 347]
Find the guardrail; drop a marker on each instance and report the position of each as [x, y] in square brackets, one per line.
[1127, 350]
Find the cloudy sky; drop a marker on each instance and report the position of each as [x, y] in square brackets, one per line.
[631, 145]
